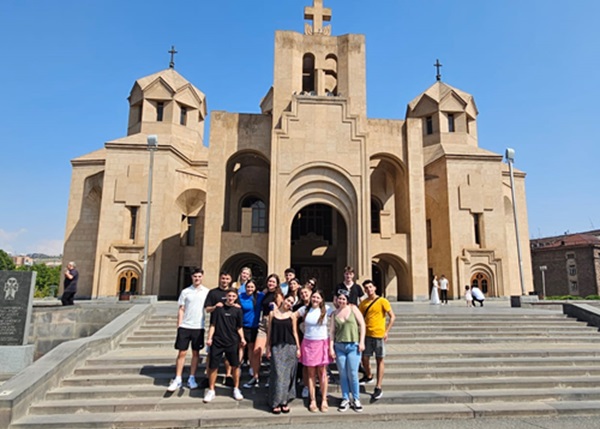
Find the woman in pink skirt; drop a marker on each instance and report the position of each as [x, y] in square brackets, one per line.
[315, 347]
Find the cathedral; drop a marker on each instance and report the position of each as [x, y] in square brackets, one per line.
[310, 182]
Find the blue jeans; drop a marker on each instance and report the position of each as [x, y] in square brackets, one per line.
[347, 358]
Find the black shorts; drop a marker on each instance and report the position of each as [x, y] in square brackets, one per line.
[232, 354]
[250, 334]
[185, 336]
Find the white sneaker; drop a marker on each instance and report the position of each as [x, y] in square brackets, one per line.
[305, 392]
[192, 383]
[175, 384]
[209, 395]
[357, 406]
[237, 394]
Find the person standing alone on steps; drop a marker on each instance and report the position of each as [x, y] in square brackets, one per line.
[190, 329]
[375, 309]
[444, 289]
[70, 284]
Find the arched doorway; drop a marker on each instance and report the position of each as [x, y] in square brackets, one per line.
[482, 281]
[128, 282]
[319, 243]
[235, 264]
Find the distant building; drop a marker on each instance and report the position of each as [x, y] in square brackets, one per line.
[310, 182]
[572, 264]
[21, 260]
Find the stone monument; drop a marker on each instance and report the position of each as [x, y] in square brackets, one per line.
[16, 302]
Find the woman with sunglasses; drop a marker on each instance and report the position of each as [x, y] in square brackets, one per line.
[346, 342]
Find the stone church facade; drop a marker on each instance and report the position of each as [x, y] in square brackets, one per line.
[309, 182]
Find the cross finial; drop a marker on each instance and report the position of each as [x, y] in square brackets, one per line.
[317, 13]
[437, 66]
[172, 52]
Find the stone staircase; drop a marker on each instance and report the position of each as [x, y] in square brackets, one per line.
[442, 363]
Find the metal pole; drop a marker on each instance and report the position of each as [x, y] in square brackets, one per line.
[510, 158]
[544, 283]
[152, 146]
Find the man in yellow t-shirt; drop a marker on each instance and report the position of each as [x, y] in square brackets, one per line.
[375, 309]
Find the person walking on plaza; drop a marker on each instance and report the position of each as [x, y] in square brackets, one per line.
[444, 289]
[315, 347]
[283, 349]
[375, 309]
[70, 284]
[477, 295]
[346, 342]
[190, 329]
[225, 336]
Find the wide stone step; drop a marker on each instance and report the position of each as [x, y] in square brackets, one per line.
[205, 416]
[476, 339]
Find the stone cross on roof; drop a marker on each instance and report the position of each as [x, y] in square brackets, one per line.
[317, 13]
[437, 66]
[172, 62]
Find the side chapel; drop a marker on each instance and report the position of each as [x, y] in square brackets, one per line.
[309, 182]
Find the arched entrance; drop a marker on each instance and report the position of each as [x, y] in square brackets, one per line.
[128, 282]
[482, 281]
[390, 274]
[235, 264]
[319, 246]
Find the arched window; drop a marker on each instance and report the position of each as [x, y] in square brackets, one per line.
[308, 73]
[375, 216]
[259, 213]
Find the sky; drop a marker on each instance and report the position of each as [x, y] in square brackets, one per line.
[68, 66]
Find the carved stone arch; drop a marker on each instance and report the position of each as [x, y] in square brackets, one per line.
[191, 201]
[330, 69]
[389, 183]
[483, 273]
[248, 172]
[235, 263]
[128, 277]
[395, 274]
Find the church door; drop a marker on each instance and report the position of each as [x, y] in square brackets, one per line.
[482, 281]
[128, 283]
[319, 246]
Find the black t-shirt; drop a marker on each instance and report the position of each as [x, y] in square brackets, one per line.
[71, 284]
[215, 296]
[226, 320]
[355, 292]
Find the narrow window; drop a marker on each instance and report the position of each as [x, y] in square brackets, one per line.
[259, 213]
[429, 124]
[477, 227]
[160, 109]
[133, 210]
[308, 73]
[183, 116]
[375, 216]
[451, 122]
[572, 270]
[429, 237]
[190, 230]
[139, 112]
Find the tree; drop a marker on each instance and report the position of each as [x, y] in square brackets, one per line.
[45, 279]
[6, 262]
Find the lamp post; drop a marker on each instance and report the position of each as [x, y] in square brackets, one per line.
[152, 146]
[510, 158]
[543, 269]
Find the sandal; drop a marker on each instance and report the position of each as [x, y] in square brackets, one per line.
[313, 407]
[276, 410]
[285, 409]
[324, 406]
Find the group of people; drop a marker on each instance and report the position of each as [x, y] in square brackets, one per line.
[292, 326]
[472, 293]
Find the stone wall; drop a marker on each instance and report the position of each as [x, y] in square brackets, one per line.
[51, 326]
